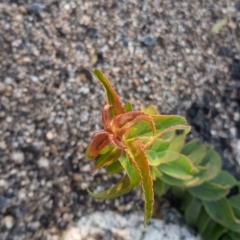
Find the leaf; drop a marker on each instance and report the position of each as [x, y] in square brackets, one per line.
[224, 178]
[137, 155]
[154, 173]
[112, 97]
[213, 162]
[226, 237]
[160, 188]
[181, 168]
[218, 26]
[192, 212]
[124, 122]
[195, 151]
[234, 201]
[114, 168]
[202, 221]
[150, 110]
[177, 143]
[99, 140]
[128, 182]
[209, 191]
[108, 158]
[163, 124]
[213, 231]
[234, 236]
[128, 107]
[221, 212]
[155, 159]
[160, 145]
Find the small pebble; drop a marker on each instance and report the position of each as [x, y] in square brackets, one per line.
[43, 162]
[8, 221]
[17, 157]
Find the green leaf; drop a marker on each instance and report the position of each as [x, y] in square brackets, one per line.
[181, 168]
[221, 212]
[177, 143]
[128, 107]
[234, 236]
[112, 97]
[150, 110]
[114, 168]
[226, 237]
[160, 145]
[108, 158]
[234, 201]
[163, 124]
[137, 156]
[124, 186]
[195, 151]
[160, 187]
[202, 221]
[192, 212]
[213, 162]
[224, 178]
[197, 179]
[218, 26]
[128, 182]
[209, 191]
[155, 173]
[155, 159]
[213, 231]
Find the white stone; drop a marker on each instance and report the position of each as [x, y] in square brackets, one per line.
[17, 157]
[43, 162]
[84, 116]
[130, 227]
[34, 78]
[3, 183]
[8, 222]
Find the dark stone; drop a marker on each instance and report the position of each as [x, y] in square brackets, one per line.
[91, 32]
[18, 213]
[86, 73]
[148, 40]
[161, 42]
[35, 8]
[237, 125]
[3, 203]
[36, 151]
[235, 69]
[225, 52]
[100, 58]
[8, 193]
[196, 117]
[79, 47]
[44, 220]
[125, 42]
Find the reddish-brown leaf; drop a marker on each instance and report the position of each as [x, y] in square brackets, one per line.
[105, 118]
[122, 123]
[99, 140]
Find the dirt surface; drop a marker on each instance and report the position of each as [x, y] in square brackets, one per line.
[154, 52]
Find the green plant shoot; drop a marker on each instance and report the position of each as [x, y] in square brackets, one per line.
[125, 140]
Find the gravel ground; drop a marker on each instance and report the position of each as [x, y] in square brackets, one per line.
[160, 52]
